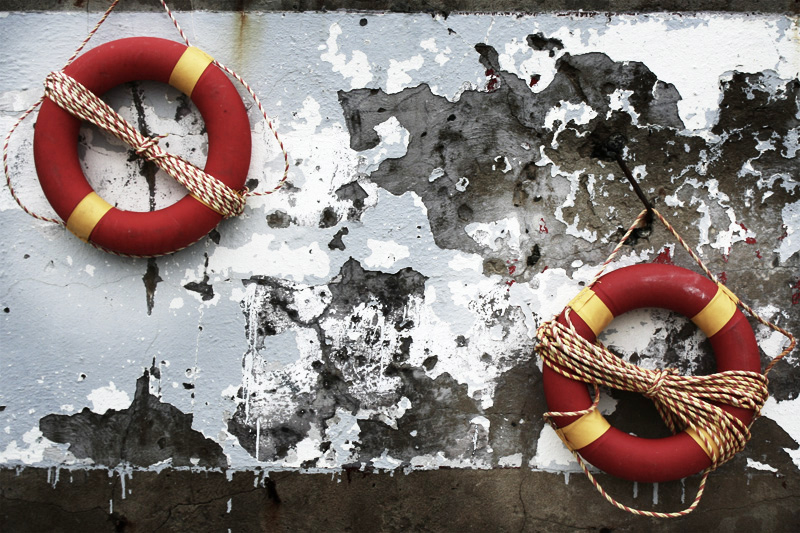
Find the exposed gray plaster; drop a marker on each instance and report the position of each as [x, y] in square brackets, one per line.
[148, 432]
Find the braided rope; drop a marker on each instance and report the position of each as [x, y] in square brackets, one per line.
[87, 106]
[682, 401]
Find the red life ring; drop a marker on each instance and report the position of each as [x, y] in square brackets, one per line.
[56, 149]
[712, 307]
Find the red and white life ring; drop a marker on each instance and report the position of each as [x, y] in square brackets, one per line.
[712, 307]
[56, 148]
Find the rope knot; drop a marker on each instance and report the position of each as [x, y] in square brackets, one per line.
[147, 148]
[658, 379]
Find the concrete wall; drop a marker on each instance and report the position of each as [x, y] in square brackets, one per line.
[355, 351]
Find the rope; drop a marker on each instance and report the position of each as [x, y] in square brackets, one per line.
[76, 99]
[682, 401]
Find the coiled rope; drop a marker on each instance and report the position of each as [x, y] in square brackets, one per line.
[682, 401]
[79, 101]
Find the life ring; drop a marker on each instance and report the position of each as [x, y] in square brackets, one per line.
[56, 148]
[710, 306]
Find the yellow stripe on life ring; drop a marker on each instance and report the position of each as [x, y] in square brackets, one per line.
[584, 430]
[592, 310]
[188, 69]
[717, 312]
[86, 215]
[695, 434]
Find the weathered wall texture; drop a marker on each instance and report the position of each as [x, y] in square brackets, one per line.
[371, 325]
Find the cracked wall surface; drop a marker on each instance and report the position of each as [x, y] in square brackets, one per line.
[373, 321]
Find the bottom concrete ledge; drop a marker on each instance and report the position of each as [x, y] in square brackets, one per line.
[33, 499]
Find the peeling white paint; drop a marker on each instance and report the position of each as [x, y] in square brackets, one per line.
[552, 455]
[785, 415]
[357, 69]
[386, 462]
[565, 113]
[385, 253]
[619, 100]
[109, 397]
[510, 461]
[703, 46]
[259, 255]
[756, 465]
[504, 233]
[397, 75]
[790, 244]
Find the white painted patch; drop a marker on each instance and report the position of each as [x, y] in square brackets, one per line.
[385, 253]
[790, 244]
[386, 462]
[552, 455]
[510, 461]
[261, 255]
[630, 333]
[397, 75]
[230, 391]
[619, 100]
[785, 415]
[760, 466]
[436, 173]
[481, 421]
[461, 262]
[442, 56]
[176, 303]
[520, 59]
[342, 432]
[393, 144]
[565, 113]
[357, 70]
[105, 398]
[306, 450]
[36, 449]
[429, 45]
[791, 143]
[506, 164]
[504, 233]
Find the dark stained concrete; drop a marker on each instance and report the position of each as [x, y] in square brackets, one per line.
[443, 500]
